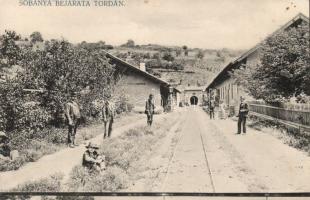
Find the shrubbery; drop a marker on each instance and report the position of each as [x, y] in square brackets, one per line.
[6, 165]
[50, 184]
[289, 135]
[82, 179]
[32, 100]
[123, 105]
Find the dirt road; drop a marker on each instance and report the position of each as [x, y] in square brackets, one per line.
[64, 160]
[209, 157]
[198, 155]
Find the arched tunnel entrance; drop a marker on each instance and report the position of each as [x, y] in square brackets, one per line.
[194, 100]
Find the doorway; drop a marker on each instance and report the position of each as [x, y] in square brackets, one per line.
[194, 100]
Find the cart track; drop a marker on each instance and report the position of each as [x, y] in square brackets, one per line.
[204, 165]
[172, 157]
[206, 159]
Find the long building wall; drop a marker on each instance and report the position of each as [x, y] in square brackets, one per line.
[229, 92]
[137, 89]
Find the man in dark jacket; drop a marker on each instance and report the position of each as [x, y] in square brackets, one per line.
[211, 109]
[243, 113]
[73, 115]
[149, 110]
[108, 114]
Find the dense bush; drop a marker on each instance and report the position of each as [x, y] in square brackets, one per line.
[6, 165]
[30, 150]
[122, 104]
[11, 102]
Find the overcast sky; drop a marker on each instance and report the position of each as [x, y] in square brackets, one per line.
[237, 24]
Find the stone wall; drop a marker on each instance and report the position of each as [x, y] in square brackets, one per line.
[187, 94]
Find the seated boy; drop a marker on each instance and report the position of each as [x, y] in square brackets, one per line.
[92, 160]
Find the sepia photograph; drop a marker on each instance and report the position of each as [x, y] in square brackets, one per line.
[154, 99]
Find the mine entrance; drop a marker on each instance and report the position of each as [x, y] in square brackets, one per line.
[194, 100]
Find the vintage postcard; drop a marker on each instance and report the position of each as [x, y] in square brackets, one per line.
[154, 99]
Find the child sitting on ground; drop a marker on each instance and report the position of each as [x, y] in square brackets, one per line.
[92, 160]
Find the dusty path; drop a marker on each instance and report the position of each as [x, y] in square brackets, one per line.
[199, 155]
[63, 160]
[211, 158]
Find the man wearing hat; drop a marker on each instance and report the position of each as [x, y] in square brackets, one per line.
[243, 113]
[91, 159]
[108, 114]
[73, 115]
[149, 110]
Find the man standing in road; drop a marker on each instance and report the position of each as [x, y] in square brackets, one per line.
[73, 115]
[149, 110]
[108, 114]
[243, 113]
[211, 109]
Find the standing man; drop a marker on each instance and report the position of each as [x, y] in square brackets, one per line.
[73, 115]
[149, 110]
[211, 108]
[243, 113]
[108, 114]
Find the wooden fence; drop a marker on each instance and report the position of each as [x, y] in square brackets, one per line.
[296, 113]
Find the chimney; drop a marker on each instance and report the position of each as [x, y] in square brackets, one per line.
[142, 66]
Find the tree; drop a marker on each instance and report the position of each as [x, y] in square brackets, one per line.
[221, 56]
[36, 37]
[185, 50]
[130, 43]
[283, 70]
[156, 55]
[168, 56]
[9, 50]
[101, 44]
[178, 52]
[178, 64]
[61, 68]
[200, 54]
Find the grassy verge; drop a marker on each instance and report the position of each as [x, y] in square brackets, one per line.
[51, 141]
[288, 135]
[49, 184]
[126, 156]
